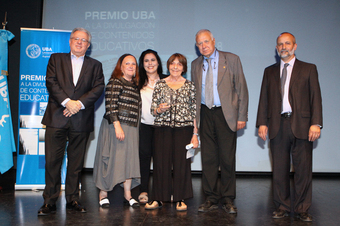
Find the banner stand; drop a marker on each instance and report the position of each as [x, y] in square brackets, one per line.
[36, 47]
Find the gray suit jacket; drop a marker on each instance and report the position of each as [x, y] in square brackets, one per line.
[232, 88]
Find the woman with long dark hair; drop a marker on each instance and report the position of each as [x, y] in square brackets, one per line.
[150, 72]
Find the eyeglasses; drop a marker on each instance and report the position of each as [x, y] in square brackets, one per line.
[81, 39]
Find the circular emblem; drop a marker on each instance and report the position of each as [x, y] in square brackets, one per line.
[33, 51]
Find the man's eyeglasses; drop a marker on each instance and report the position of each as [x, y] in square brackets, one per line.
[81, 39]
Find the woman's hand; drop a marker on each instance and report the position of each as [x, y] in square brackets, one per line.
[162, 108]
[194, 141]
[119, 131]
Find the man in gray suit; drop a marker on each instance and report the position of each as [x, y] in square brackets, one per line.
[222, 109]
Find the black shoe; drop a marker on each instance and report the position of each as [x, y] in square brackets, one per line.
[278, 214]
[133, 203]
[305, 217]
[75, 205]
[229, 208]
[207, 206]
[104, 203]
[152, 205]
[46, 209]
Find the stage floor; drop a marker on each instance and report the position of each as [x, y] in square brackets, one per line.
[254, 203]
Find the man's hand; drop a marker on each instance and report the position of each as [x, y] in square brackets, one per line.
[67, 113]
[240, 125]
[314, 133]
[263, 130]
[73, 106]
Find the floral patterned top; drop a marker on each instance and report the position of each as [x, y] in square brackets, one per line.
[183, 104]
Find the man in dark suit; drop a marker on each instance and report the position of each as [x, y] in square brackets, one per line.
[74, 82]
[222, 109]
[290, 108]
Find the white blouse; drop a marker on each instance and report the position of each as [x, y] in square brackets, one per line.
[146, 94]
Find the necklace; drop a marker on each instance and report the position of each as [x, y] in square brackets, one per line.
[153, 80]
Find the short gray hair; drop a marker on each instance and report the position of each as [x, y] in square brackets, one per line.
[83, 30]
[203, 31]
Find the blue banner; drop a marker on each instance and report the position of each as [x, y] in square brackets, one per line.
[37, 45]
[7, 144]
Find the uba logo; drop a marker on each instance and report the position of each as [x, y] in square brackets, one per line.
[33, 51]
[46, 49]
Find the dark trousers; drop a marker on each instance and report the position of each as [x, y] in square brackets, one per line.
[218, 148]
[284, 146]
[146, 147]
[55, 144]
[170, 153]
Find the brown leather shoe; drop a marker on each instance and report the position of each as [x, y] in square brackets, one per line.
[207, 206]
[46, 209]
[305, 217]
[278, 214]
[229, 208]
[75, 205]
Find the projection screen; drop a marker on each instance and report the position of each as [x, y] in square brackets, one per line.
[247, 28]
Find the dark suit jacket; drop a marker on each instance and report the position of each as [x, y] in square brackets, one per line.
[231, 86]
[304, 98]
[59, 82]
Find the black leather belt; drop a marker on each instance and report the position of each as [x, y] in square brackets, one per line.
[213, 107]
[286, 115]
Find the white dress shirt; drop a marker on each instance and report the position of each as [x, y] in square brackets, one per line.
[77, 64]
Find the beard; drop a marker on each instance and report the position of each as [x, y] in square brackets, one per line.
[286, 53]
